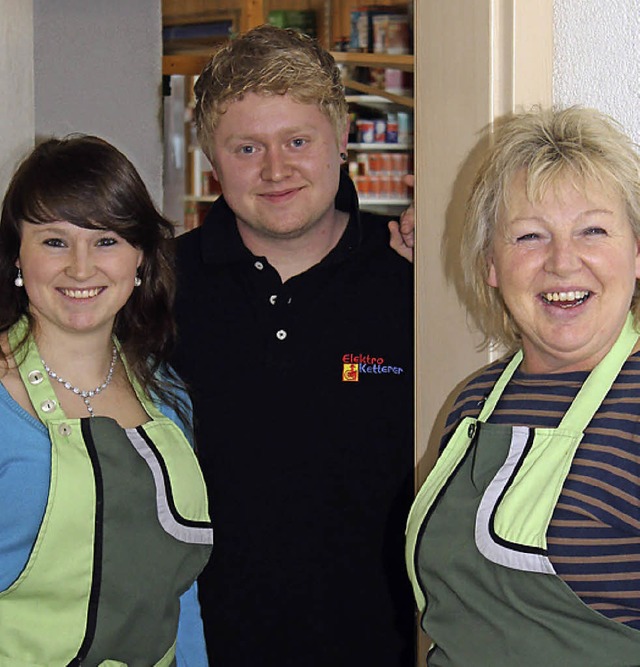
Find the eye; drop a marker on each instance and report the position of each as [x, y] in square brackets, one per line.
[298, 142]
[106, 241]
[247, 150]
[595, 231]
[54, 243]
[531, 236]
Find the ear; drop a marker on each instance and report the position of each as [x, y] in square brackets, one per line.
[492, 274]
[637, 258]
[344, 139]
[214, 171]
[140, 258]
[17, 263]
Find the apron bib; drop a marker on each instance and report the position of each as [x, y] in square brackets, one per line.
[478, 528]
[125, 532]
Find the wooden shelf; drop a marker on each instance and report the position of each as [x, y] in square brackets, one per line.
[379, 146]
[386, 201]
[379, 92]
[201, 198]
[186, 65]
[403, 62]
[193, 63]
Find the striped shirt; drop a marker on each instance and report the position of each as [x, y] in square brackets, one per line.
[594, 536]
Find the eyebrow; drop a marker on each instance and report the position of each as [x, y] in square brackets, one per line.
[583, 214]
[257, 136]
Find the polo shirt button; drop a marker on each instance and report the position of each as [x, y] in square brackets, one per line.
[272, 299]
[259, 265]
[64, 429]
[35, 377]
[281, 335]
[48, 406]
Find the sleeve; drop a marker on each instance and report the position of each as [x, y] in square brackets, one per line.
[190, 646]
[171, 413]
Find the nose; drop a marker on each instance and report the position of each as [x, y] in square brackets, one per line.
[81, 264]
[563, 257]
[276, 166]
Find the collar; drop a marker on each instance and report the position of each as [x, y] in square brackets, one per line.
[222, 243]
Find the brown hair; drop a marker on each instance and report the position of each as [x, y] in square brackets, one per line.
[86, 181]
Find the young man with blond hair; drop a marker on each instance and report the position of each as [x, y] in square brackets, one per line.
[295, 324]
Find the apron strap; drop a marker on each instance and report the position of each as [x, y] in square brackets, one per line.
[600, 380]
[499, 387]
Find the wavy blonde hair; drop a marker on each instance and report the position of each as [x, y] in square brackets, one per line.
[268, 61]
[582, 144]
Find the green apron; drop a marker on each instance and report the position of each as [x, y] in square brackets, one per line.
[125, 532]
[476, 543]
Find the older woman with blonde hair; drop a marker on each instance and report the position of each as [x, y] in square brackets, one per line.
[523, 544]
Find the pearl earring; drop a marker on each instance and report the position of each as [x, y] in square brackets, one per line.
[137, 281]
[19, 282]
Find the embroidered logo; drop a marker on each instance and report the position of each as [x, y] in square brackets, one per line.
[350, 373]
[356, 366]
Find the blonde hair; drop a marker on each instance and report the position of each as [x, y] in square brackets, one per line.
[268, 61]
[582, 144]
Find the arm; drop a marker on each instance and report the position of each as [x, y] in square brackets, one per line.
[191, 649]
[402, 232]
[190, 646]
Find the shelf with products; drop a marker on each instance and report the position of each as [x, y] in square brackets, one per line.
[380, 151]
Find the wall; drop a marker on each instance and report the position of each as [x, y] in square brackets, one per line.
[16, 83]
[597, 57]
[98, 70]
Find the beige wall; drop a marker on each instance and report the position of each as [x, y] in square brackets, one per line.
[16, 82]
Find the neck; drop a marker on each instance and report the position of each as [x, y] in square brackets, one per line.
[291, 256]
[83, 359]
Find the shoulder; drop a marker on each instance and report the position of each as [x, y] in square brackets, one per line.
[182, 396]
[188, 245]
[375, 244]
[471, 393]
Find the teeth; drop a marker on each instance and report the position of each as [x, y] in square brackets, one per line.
[578, 295]
[81, 293]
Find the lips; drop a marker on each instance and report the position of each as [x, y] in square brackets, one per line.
[87, 293]
[283, 195]
[568, 299]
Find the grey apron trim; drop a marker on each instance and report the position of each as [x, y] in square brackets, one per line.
[488, 545]
[169, 519]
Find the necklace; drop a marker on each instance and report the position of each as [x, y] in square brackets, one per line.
[86, 395]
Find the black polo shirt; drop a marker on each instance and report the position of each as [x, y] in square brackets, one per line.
[303, 403]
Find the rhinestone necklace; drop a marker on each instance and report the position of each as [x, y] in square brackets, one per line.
[86, 395]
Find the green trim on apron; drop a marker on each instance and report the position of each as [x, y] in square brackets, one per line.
[479, 525]
[126, 519]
